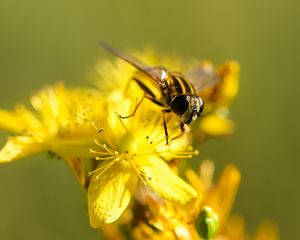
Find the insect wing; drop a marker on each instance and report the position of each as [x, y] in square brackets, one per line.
[202, 77]
[158, 74]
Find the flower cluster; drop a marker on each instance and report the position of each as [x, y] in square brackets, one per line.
[208, 216]
[113, 139]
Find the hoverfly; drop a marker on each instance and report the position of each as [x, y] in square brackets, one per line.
[177, 94]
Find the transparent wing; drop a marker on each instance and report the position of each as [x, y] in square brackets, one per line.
[158, 74]
[202, 76]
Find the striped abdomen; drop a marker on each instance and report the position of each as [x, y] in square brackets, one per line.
[177, 85]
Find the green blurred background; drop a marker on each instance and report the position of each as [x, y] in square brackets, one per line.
[45, 41]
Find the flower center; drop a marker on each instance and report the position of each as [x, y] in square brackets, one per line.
[113, 157]
[127, 156]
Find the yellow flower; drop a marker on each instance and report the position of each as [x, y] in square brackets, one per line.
[126, 154]
[132, 152]
[124, 144]
[236, 230]
[57, 124]
[226, 88]
[215, 121]
[216, 124]
[165, 220]
[170, 218]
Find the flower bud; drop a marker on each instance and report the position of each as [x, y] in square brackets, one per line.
[207, 223]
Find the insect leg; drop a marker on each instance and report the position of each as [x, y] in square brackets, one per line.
[182, 127]
[154, 101]
[165, 124]
[134, 110]
[163, 115]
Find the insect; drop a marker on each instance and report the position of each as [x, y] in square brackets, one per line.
[177, 94]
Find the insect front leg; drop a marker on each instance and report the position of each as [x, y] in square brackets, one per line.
[182, 127]
[165, 124]
[164, 111]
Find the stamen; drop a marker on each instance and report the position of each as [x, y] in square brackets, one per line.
[178, 154]
[146, 142]
[140, 174]
[101, 153]
[103, 146]
[83, 118]
[161, 140]
[104, 168]
[99, 130]
[105, 158]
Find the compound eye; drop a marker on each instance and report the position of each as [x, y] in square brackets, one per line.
[187, 117]
[201, 103]
[180, 104]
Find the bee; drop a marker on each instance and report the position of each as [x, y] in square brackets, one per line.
[178, 92]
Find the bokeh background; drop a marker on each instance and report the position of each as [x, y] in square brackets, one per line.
[45, 41]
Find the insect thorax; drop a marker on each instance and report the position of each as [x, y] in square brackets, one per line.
[178, 85]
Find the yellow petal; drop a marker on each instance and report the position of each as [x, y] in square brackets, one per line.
[19, 121]
[109, 193]
[235, 228]
[267, 230]
[226, 89]
[165, 182]
[19, 147]
[77, 166]
[216, 124]
[222, 196]
[198, 185]
[112, 231]
[230, 74]
[195, 181]
[10, 121]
